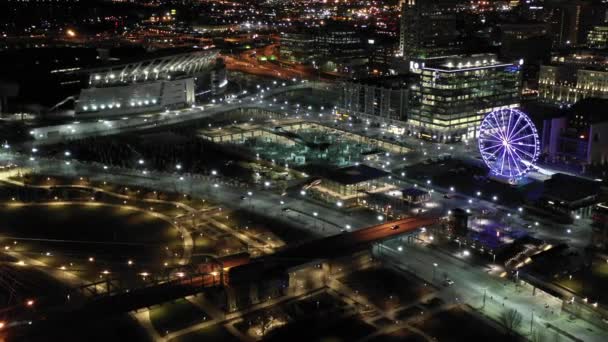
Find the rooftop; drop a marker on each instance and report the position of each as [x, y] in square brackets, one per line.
[592, 109]
[355, 174]
[581, 59]
[460, 62]
[392, 82]
[568, 188]
[413, 192]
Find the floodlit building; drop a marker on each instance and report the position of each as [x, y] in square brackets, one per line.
[597, 38]
[349, 185]
[570, 78]
[136, 98]
[456, 92]
[415, 195]
[164, 81]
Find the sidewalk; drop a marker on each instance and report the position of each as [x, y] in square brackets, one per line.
[471, 283]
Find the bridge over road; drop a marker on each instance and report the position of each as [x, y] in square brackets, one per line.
[327, 248]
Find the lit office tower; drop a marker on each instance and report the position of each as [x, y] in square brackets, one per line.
[597, 38]
[429, 28]
[456, 92]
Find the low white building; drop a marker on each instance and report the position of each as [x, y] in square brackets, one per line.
[136, 98]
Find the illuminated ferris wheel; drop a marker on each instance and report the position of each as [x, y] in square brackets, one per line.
[508, 143]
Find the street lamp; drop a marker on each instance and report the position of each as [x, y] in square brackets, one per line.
[434, 268]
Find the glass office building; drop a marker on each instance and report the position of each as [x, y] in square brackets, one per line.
[456, 92]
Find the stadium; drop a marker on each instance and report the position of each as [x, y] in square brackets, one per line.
[165, 80]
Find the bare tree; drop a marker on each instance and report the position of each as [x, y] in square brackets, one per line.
[511, 319]
[538, 335]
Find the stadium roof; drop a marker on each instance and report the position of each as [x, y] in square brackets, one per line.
[158, 65]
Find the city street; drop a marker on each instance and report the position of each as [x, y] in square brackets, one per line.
[471, 284]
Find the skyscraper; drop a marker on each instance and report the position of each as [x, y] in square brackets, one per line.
[429, 28]
[571, 20]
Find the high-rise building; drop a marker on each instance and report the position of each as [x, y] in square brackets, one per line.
[298, 47]
[530, 42]
[332, 47]
[219, 77]
[570, 78]
[597, 38]
[571, 20]
[456, 92]
[533, 10]
[429, 28]
[385, 99]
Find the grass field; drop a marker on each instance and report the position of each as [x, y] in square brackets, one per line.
[173, 316]
[62, 234]
[386, 288]
[588, 283]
